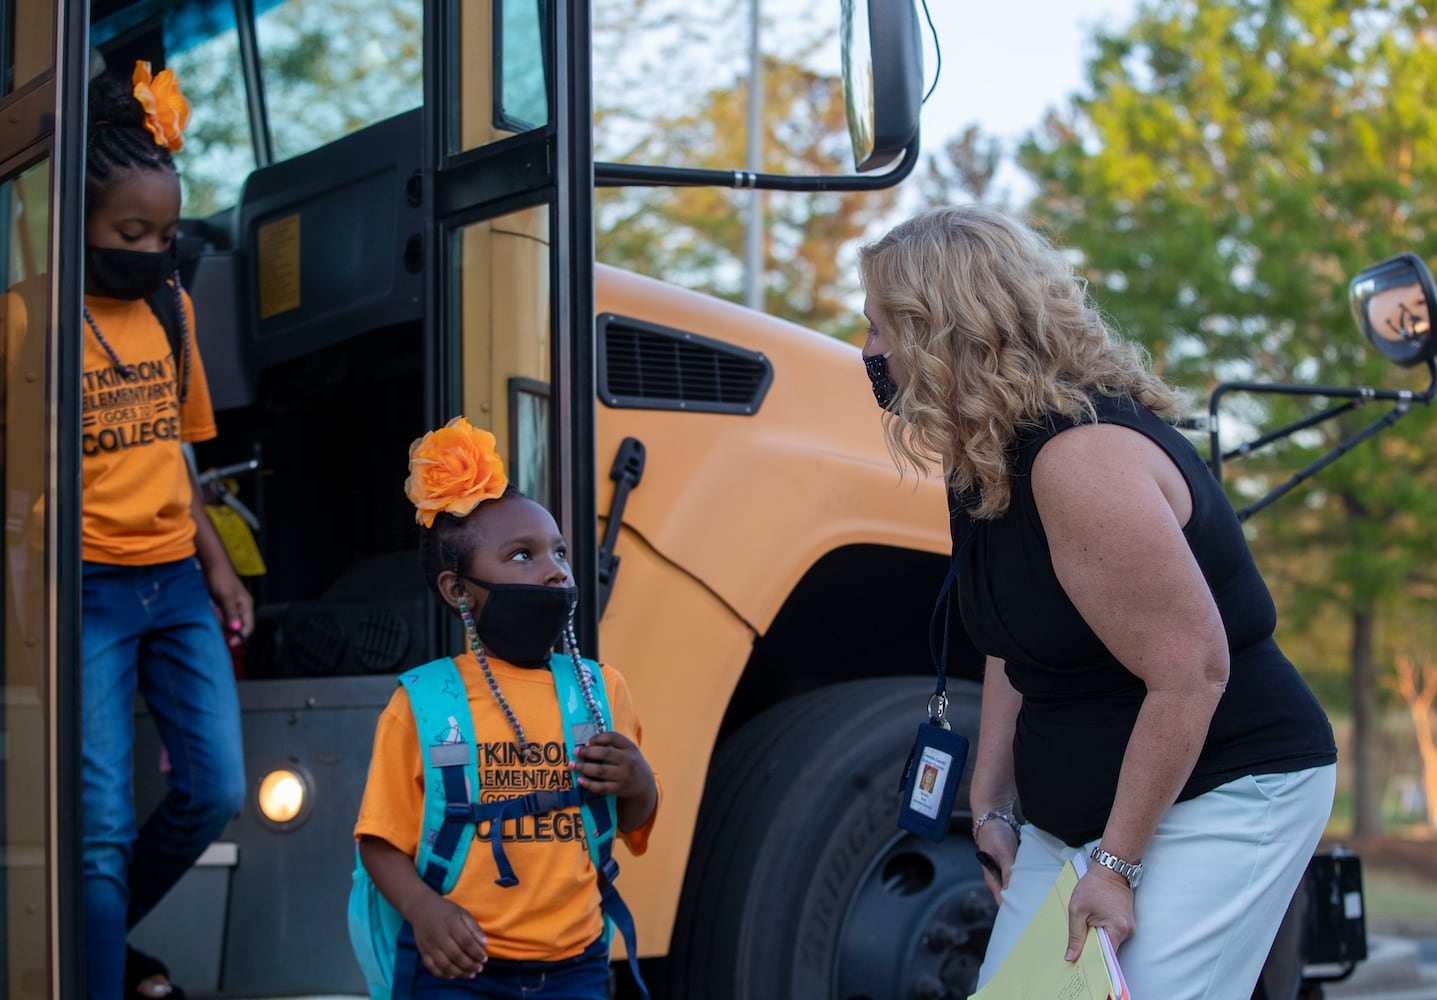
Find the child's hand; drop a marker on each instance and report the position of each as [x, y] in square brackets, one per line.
[450, 943]
[612, 764]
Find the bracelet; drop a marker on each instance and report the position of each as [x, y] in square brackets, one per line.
[1004, 815]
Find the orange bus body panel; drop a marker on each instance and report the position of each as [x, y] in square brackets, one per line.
[731, 512]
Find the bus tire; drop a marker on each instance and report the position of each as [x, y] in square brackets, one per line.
[800, 883]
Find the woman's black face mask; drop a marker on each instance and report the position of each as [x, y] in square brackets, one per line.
[522, 622]
[885, 390]
[127, 274]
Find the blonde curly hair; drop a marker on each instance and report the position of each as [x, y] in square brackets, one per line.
[993, 331]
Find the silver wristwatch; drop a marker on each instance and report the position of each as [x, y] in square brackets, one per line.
[1132, 872]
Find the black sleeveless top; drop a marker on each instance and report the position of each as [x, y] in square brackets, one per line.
[1079, 703]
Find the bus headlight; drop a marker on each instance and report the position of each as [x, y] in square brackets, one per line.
[284, 797]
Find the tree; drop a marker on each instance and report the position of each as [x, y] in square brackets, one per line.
[963, 170]
[1417, 684]
[330, 67]
[694, 236]
[1230, 167]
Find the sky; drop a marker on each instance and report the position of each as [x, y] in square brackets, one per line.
[1006, 62]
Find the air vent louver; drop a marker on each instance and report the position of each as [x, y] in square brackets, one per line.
[646, 366]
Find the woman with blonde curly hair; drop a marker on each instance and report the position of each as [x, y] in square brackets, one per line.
[1135, 706]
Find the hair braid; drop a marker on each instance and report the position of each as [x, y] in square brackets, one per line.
[450, 544]
[118, 141]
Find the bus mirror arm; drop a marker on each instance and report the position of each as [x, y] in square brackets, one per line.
[608, 174]
[1402, 401]
[627, 470]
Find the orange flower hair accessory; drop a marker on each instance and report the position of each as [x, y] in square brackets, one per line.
[166, 110]
[453, 470]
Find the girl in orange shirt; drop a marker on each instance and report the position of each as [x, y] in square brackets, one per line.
[497, 559]
[152, 561]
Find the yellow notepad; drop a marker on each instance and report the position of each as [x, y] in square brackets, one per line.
[1035, 969]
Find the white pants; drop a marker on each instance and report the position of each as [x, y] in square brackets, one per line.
[1217, 878]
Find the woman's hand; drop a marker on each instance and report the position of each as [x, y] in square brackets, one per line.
[1100, 899]
[449, 939]
[613, 764]
[997, 842]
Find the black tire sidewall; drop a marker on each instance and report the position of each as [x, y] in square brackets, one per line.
[802, 827]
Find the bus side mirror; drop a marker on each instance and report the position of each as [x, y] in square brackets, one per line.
[1393, 303]
[882, 78]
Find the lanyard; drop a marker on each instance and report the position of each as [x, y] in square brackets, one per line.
[938, 703]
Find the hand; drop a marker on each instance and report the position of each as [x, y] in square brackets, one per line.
[612, 764]
[229, 593]
[1100, 899]
[997, 839]
[449, 939]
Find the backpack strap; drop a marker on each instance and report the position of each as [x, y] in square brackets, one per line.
[451, 770]
[165, 303]
[445, 727]
[601, 818]
[601, 814]
[162, 303]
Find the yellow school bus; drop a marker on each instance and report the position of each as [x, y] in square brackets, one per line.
[364, 268]
[389, 221]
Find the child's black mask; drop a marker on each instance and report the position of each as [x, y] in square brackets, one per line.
[127, 274]
[522, 622]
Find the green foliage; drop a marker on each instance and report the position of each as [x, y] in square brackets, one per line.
[330, 67]
[1230, 166]
[651, 108]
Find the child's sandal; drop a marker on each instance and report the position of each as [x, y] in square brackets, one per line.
[146, 971]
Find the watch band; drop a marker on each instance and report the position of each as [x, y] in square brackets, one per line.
[1127, 869]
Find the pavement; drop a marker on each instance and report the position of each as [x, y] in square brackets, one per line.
[1396, 969]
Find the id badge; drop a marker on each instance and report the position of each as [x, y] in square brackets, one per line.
[930, 780]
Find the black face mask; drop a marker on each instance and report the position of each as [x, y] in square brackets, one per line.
[521, 622]
[885, 390]
[127, 274]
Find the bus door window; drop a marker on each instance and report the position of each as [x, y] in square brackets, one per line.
[503, 311]
[331, 68]
[24, 324]
[27, 42]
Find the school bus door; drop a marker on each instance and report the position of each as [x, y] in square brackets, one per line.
[507, 115]
[42, 151]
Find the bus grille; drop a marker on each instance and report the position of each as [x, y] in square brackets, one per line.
[646, 366]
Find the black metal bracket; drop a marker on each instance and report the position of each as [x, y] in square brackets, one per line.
[627, 470]
[1402, 400]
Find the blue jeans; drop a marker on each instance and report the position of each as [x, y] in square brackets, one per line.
[153, 630]
[583, 977]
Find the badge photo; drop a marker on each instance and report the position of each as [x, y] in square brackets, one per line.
[930, 781]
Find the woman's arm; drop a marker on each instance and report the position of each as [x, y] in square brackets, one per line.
[1113, 506]
[992, 789]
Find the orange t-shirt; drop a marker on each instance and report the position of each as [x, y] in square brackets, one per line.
[553, 913]
[136, 508]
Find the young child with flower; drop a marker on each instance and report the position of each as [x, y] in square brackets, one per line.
[153, 562]
[498, 560]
